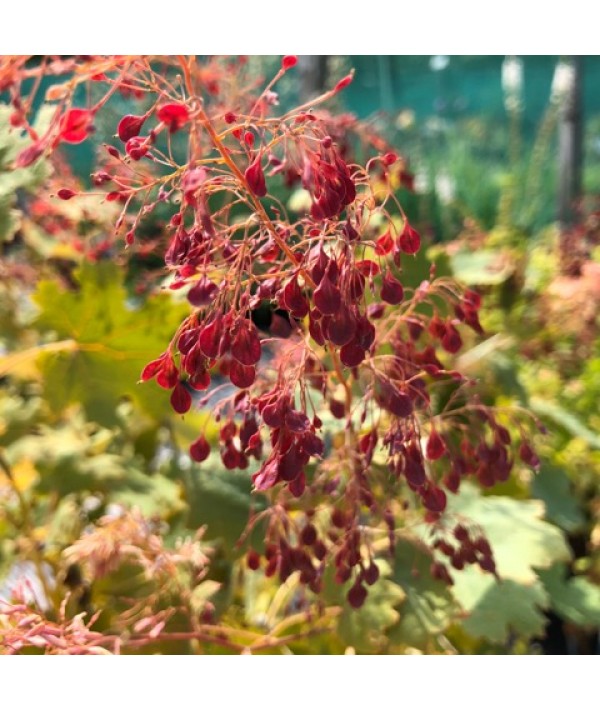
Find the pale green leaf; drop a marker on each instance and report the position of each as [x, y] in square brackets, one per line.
[428, 608]
[520, 538]
[565, 419]
[113, 343]
[553, 487]
[577, 599]
[497, 609]
[483, 267]
[367, 628]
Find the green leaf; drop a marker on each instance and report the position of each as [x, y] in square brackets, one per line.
[497, 609]
[367, 628]
[522, 542]
[520, 538]
[75, 459]
[577, 599]
[10, 220]
[17, 416]
[553, 486]
[222, 500]
[484, 267]
[567, 420]
[429, 607]
[114, 342]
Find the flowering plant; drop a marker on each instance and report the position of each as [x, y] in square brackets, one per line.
[329, 371]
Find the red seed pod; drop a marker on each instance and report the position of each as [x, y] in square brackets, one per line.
[289, 61]
[297, 421]
[245, 344]
[452, 481]
[528, 455]
[65, 194]
[152, 369]
[357, 595]
[436, 446]
[368, 268]
[341, 327]
[409, 240]
[352, 354]
[292, 463]
[242, 376]
[173, 115]
[266, 476]
[230, 117]
[253, 560]
[375, 311]
[210, 338]
[384, 244]
[327, 297]
[343, 83]
[202, 292]
[461, 533]
[319, 267]
[472, 299]
[371, 574]
[101, 177]
[338, 518]
[434, 499]
[76, 125]
[298, 485]
[308, 535]
[230, 457]
[181, 400]
[200, 380]
[294, 300]
[451, 340]
[414, 470]
[273, 414]
[356, 284]
[338, 409]
[391, 289]
[320, 550]
[503, 434]
[200, 449]
[255, 177]
[130, 126]
[228, 431]
[168, 376]
[488, 565]
[136, 147]
[457, 561]
[482, 545]
[395, 401]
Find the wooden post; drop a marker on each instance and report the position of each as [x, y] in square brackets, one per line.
[570, 154]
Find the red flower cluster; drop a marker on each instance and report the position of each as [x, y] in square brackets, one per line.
[351, 338]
